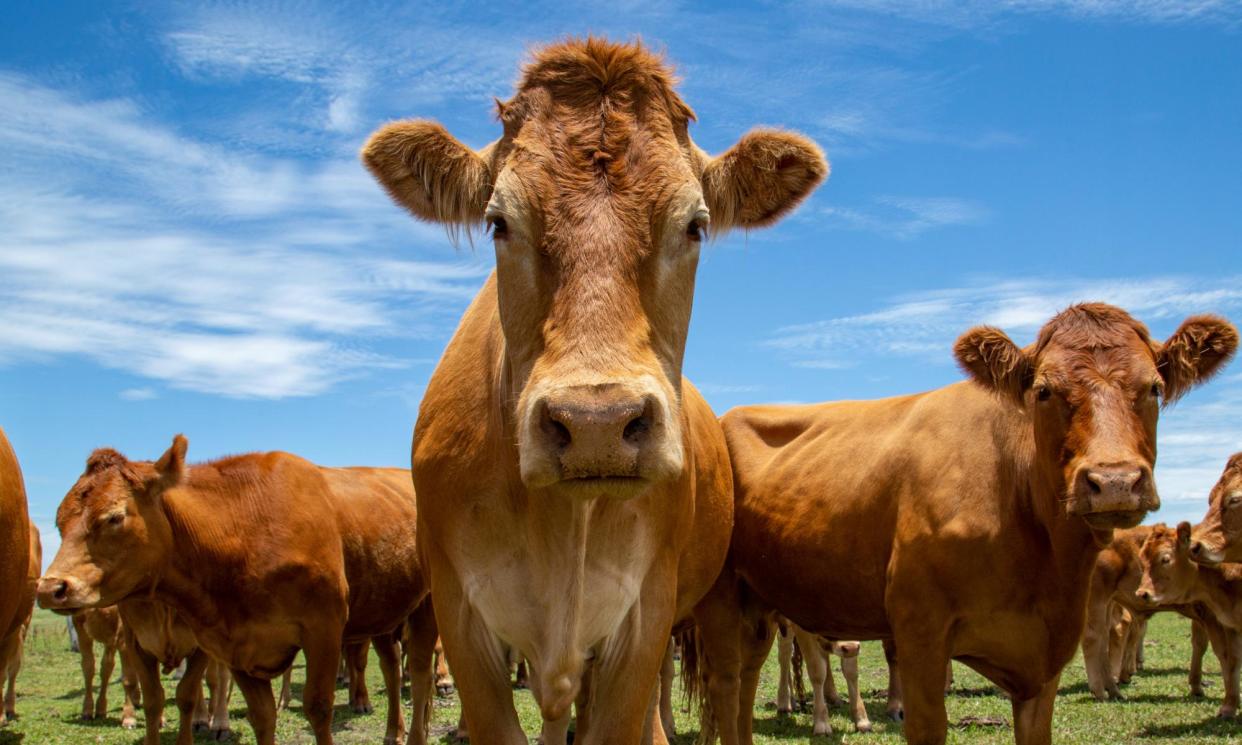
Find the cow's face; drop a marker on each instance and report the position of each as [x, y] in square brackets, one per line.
[1219, 537]
[115, 538]
[598, 203]
[1168, 572]
[1093, 385]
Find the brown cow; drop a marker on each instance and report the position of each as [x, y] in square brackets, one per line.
[103, 626]
[573, 490]
[1117, 617]
[1219, 537]
[963, 522]
[15, 556]
[261, 555]
[12, 650]
[1170, 576]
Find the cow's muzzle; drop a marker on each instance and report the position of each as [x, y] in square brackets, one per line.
[1113, 495]
[61, 595]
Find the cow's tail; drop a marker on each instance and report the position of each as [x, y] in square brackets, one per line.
[795, 665]
[692, 686]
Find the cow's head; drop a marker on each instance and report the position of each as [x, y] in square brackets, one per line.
[1093, 384]
[1168, 573]
[1219, 537]
[598, 202]
[115, 537]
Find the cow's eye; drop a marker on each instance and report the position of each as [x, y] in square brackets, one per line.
[1234, 500]
[117, 519]
[1156, 390]
[694, 231]
[500, 228]
[1043, 393]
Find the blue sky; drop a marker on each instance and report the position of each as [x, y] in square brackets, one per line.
[189, 244]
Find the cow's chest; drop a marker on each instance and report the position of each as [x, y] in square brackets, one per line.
[565, 583]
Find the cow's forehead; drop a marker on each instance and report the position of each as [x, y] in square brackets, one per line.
[93, 492]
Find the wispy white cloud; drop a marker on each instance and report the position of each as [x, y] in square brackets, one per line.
[139, 394]
[973, 13]
[908, 217]
[210, 269]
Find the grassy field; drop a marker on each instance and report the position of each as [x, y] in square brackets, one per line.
[1157, 708]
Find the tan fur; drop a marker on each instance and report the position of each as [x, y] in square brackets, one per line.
[16, 565]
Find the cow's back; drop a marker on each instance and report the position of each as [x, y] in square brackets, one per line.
[377, 520]
[15, 561]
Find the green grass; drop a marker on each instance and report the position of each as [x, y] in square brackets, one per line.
[1157, 708]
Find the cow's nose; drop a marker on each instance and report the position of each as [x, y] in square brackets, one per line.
[1196, 549]
[599, 432]
[52, 591]
[1117, 482]
[1115, 487]
[1144, 595]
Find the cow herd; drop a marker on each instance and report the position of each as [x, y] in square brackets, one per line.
[575, 502]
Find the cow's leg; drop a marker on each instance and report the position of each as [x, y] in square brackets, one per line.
[582, 705]
[1134, 645]
[147, 670]
[653, 728]
[858, 711]
[421, 640]
[323, 656]
[190, 698]
[893, 708]
[129, 684]
[1032, 718]
[107, 664]
[1229, 673]
[1095, 639]
[261, 705]
[87, 649]
[818, 671]
[784, 662]
[11, 669]
[480, 662]
[756, 639]
[1118, 632]
[286, 689]
[220, 683]
[388, 649]
[718, 619]
[667, 672]
[444, 677]
[922, 680]
[1198, 647]
[356, 663]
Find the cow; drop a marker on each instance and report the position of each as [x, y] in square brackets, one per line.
[103, 626]
[1171, 576]
[816, 652]
[12, 651]
[963, 523]
[574, 490]
[260, 555]
[1117, 617]
[1218, 537]
[15, 557]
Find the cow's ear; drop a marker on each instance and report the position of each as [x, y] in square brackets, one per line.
[1183, 536]
[992, 360]
[429, 172]
[762, 177]
[170, 468]
[1194, 353]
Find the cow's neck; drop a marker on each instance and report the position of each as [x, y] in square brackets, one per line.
[1220, 594]
[180, 583]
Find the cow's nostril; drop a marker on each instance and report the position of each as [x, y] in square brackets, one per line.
[1196, 548]
[636, 431]
[62, 590]
[1093, 483]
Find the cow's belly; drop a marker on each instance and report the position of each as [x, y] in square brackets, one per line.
[263, 653]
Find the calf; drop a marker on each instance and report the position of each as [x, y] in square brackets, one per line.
[815, 652]
[15, 559]
[1117, 617]
[1219, 536]
[103, 626]
[1171, 576]
[260, 555]
[564, 468]
[962, 523]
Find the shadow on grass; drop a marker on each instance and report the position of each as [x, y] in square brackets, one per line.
[1211, 726]
[9, 737]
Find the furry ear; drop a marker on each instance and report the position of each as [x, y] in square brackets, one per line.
[1194, 353]
[762, 177]
[170, 468]
[429, 172]
[991, 358]
[1183, 536]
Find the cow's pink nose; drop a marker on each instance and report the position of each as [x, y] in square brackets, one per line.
[598, 432]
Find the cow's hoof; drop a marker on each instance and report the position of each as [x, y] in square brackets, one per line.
[200, 726]
[1227, 713]
[222, 735]
[821, 729]
[835, 701]
[863, 726]
[363, 709]
[1196, 693]
[87, 716]
[897, 715]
